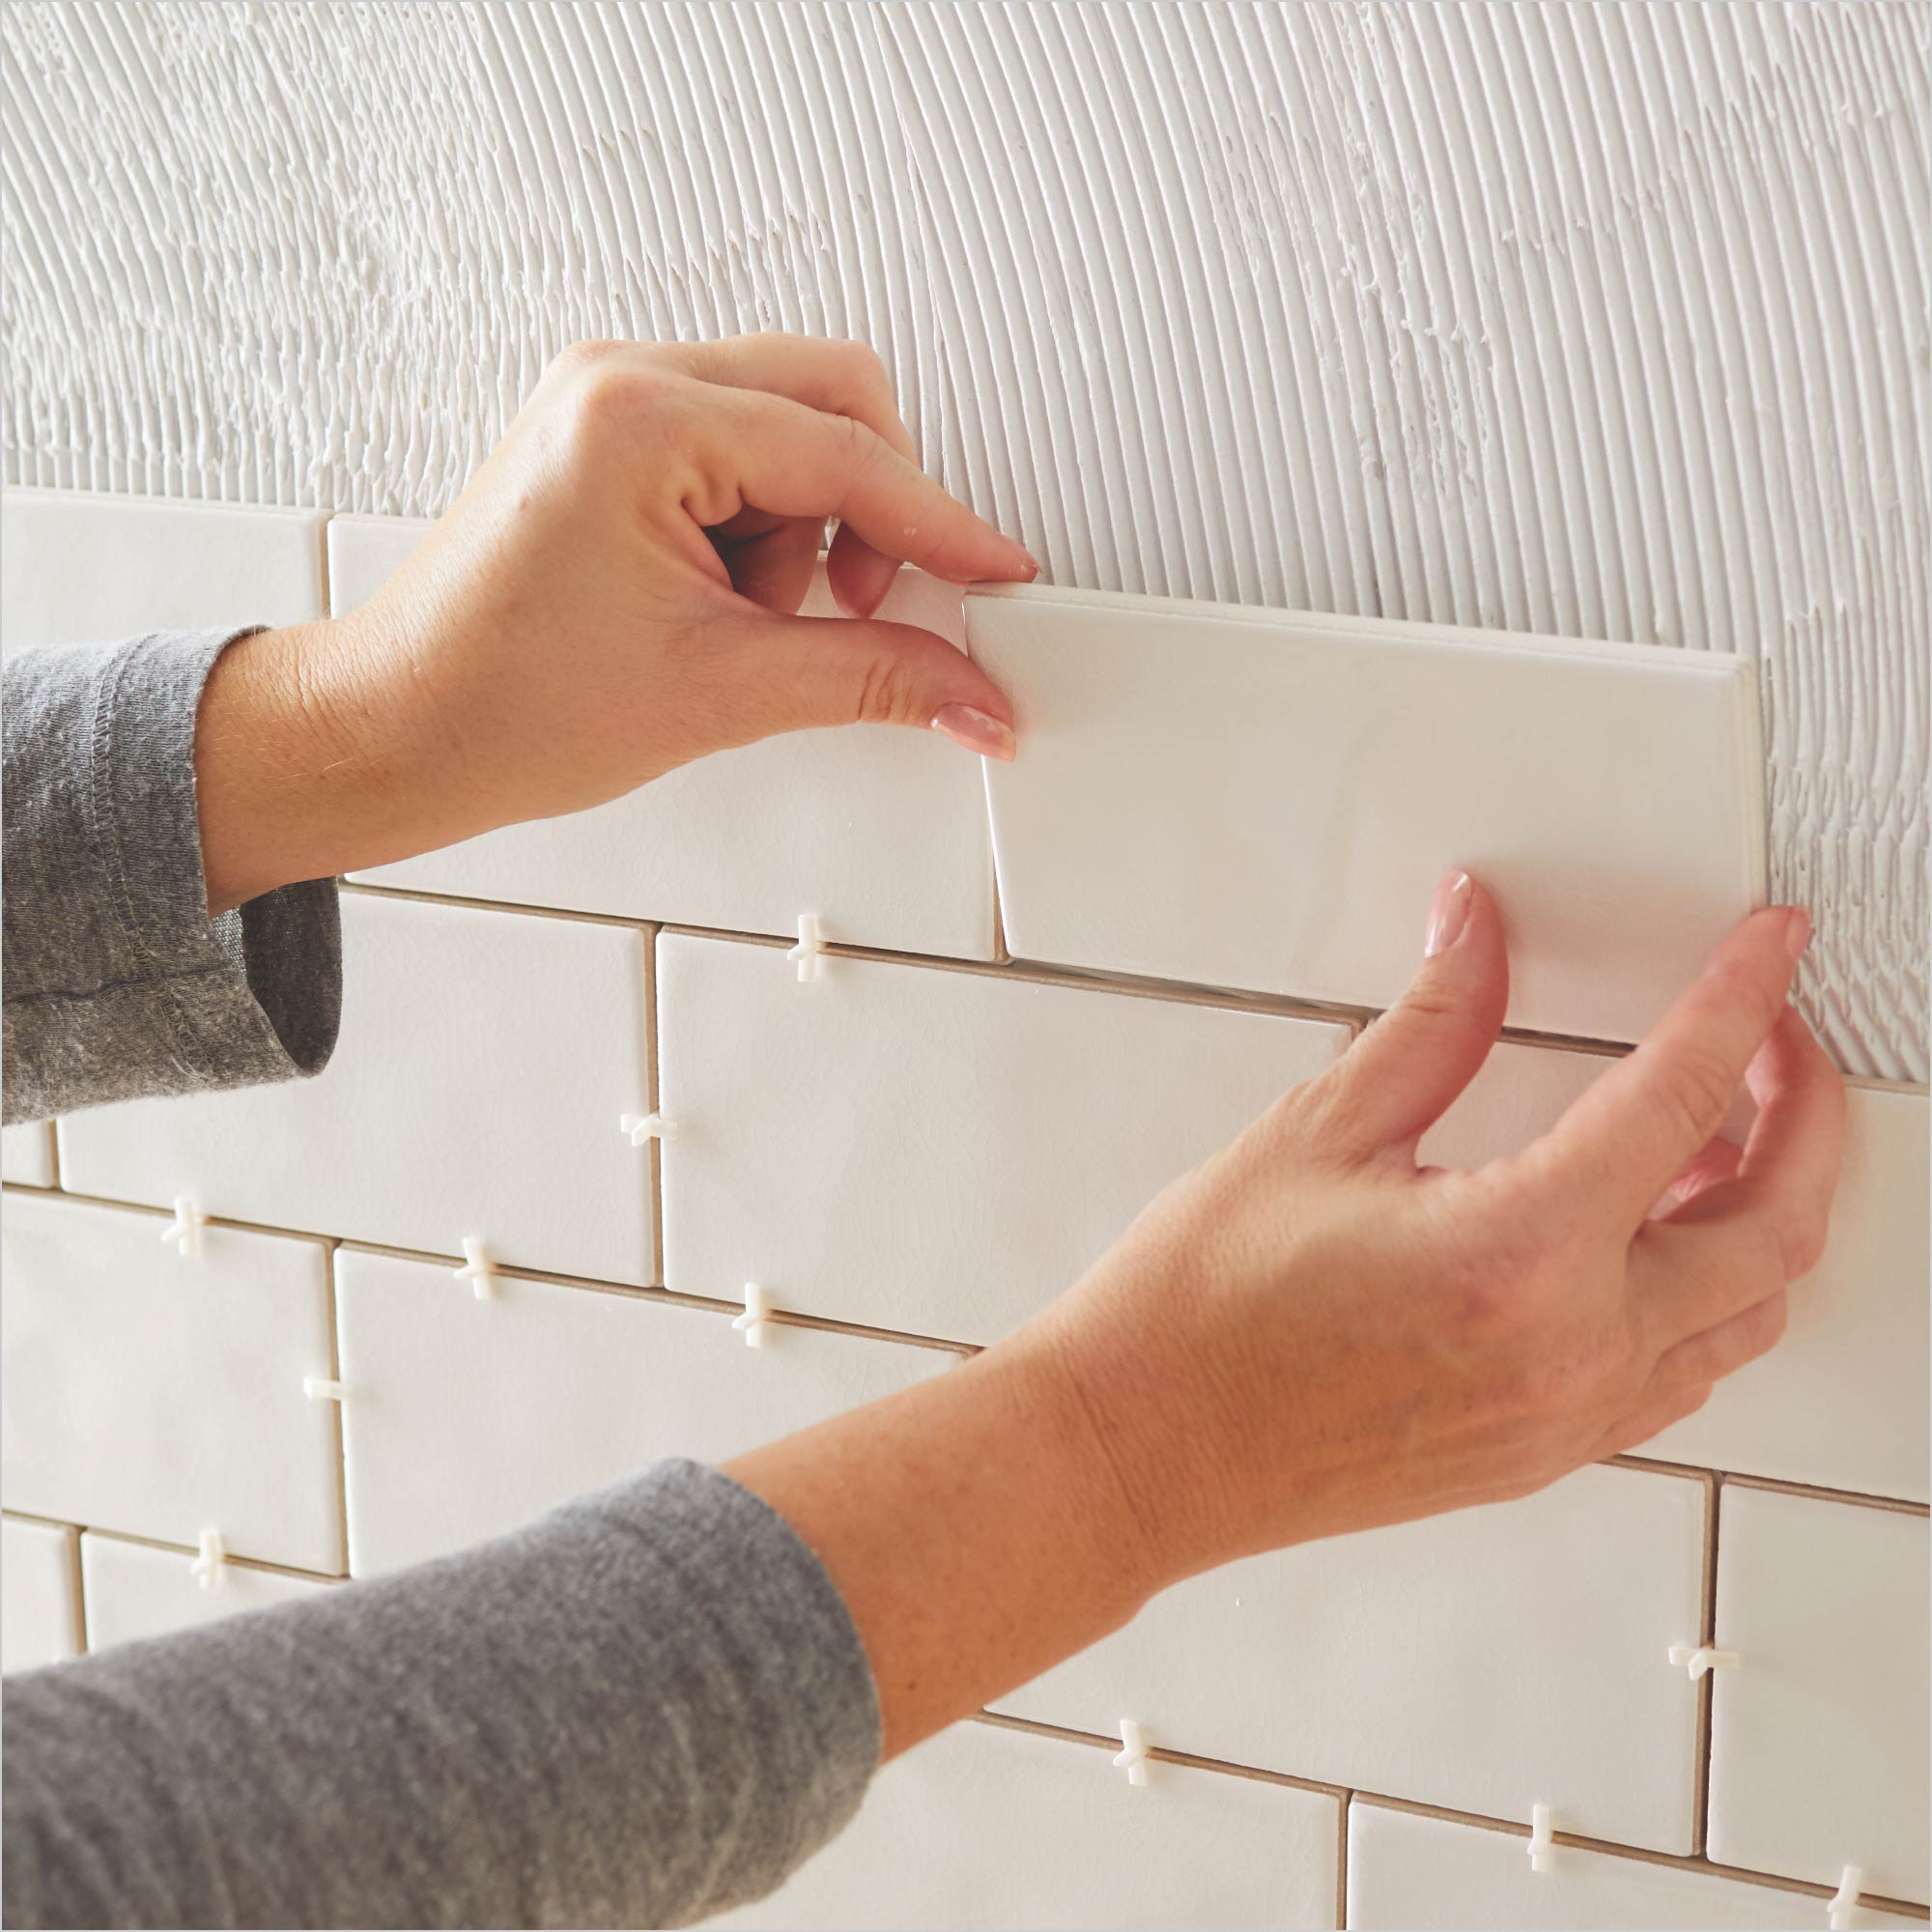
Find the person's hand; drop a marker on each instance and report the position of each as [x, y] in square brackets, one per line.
[1311, 1335]
[613, 595]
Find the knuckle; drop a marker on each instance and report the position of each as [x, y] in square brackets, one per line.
[1699, 1092]
[1800, 1233]
[1761, 1001]
[886, 692]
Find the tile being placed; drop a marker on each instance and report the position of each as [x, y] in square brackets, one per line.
[485, 1062]
[987, 1827]
[1416, 1874]
[159, 1393]
[464, 1419]
[40, 1614]
[880, 833]
[932, 1152]
[135, 1590]
[1841, 1401]
[1487, 1660]
[1819, 1735]
[87, 569]
[27, 1153]
[1247, 798]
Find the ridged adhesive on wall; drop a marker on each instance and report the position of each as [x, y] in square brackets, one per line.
[1603, 320]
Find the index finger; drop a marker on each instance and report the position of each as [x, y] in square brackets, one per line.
[793, 461]
[1633, 1131]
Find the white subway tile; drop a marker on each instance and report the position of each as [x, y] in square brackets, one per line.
[40, 1614]
[87, 569]
[135, 1590]
[27, 1153]
[1841, 1401]
[1487, 1660]
[1819, 1735]
[879, 831]
[464, 1417]
[161, 1394]
[484, 1064]
[985, 1827]
[935, 1151]
[1415, 1874]
[1259, 798]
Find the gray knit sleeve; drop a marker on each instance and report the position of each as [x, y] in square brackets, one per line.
[115, 981]
[648, 1706]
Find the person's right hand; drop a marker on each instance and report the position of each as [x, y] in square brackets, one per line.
[1310, 1334]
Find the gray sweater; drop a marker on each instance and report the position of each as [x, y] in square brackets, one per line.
[642, 1708]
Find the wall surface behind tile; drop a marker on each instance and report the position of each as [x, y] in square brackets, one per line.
[1605, 321]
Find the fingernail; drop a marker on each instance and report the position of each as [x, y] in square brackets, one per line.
[1797, 934]
[1028, 563]
[975, 730]
[1448, 913]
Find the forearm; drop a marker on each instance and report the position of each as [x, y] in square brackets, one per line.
[645, 1707]
[974, 1524]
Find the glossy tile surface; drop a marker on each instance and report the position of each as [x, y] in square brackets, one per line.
[932, 1152]
[1414, 1874]
[484, 1062]
[40, 1610]
[1253, 799]
[1485, 1661]
[135, 1590]
[89, 569]
[983, 1827]
[468, 1417]
[1841, 1401]
[27, 1153]
[880, 831]
[161, 1394]
[1818, 1738]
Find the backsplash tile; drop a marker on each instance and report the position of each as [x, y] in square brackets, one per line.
[1262, 800]
[135, 1590]
[84, 569]
[40, 1609]
[1819, 1734]
[146, 1390]
[995, 1828]
[1487, 1660]
[1416, 1874]
[485, 1062]
[27, 1153]
[464, 1418]
[879, 831]
[934, 1151]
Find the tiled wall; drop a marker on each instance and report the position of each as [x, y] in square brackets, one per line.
[911, 1142]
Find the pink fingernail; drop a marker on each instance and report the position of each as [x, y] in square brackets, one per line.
[1797, 934]
[1448, 913]
[975, 730]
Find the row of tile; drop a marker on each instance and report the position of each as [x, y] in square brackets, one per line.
[1330, 768]
[1485, 1661]
[929, 1151]
[997, 1827]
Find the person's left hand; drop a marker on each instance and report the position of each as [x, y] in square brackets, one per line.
[614, 594]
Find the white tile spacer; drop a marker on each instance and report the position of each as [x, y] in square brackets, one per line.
[1541, 1846]
[477, 1269]
[752, 1323]
[1132, 1755]
[184, 1230]
[206, 1568]
[1844, 1901]
[1702, 1658]
[642, 1127]
[810, 948]
[319, 1388]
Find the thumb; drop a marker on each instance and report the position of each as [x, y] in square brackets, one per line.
[1400, 1075]
[841, 670]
